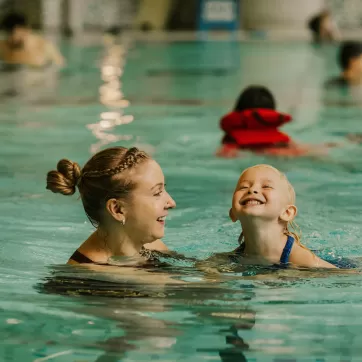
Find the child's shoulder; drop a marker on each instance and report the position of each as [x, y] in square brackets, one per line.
[300, 254]
[303, 257]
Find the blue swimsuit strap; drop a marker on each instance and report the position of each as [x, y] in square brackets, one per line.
[284, 259]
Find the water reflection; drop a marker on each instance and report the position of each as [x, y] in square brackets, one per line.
[236, 344]
[148, 316]
[137, 330]
[133, 306]
[28, 84]
[112, 96]
[233, 318]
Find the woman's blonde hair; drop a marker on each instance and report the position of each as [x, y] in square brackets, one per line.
[291, 229]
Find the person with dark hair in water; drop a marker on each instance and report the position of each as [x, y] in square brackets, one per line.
[350, 62]
[254, 124]
[23, 46]
[323, 27]
[255, 97]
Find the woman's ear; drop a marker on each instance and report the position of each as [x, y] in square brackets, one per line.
[289, 213]
[232, 215]
[116, 209]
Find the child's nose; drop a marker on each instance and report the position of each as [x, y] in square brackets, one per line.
[253, 190]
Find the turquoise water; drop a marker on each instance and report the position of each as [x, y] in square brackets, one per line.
[177, 93]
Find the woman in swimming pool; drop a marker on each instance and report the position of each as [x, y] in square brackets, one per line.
[124, 197]
[264, 204]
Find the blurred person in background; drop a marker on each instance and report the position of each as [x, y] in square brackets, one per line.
[23, 46]
[350, 62]
[29, 62]
[254, 124]
[324, 28]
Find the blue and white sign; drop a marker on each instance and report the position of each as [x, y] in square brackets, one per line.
[219, 14]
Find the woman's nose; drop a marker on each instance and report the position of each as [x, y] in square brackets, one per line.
[171, 204]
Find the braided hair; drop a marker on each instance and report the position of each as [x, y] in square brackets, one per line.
[103, 177]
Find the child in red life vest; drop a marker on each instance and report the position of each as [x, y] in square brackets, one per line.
[253, 126]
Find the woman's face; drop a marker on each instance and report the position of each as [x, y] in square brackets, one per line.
[148, 205]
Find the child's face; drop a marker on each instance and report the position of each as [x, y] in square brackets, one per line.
[261, 192]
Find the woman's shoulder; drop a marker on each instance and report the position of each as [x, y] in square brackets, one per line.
[157, 245]
[80, 258]
[88, 252]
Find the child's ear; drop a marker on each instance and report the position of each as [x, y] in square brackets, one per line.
[289, 213]
[232, 216]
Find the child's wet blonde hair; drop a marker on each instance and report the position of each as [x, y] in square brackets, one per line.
[291, 229]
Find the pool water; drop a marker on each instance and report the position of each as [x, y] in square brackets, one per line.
[177, 91]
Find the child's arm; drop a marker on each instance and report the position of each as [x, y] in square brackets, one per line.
[305, 258]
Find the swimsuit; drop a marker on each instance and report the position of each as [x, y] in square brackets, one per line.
[284, 259]
[80, 258]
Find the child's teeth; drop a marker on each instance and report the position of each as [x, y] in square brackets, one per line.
[253, 202]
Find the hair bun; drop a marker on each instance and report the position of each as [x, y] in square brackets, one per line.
[65, 179]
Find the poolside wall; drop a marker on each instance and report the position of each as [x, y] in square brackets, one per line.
[268, 15]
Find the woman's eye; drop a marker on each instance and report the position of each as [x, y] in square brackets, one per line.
[159, 193]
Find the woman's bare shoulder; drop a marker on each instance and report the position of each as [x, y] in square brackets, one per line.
[157, 245]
